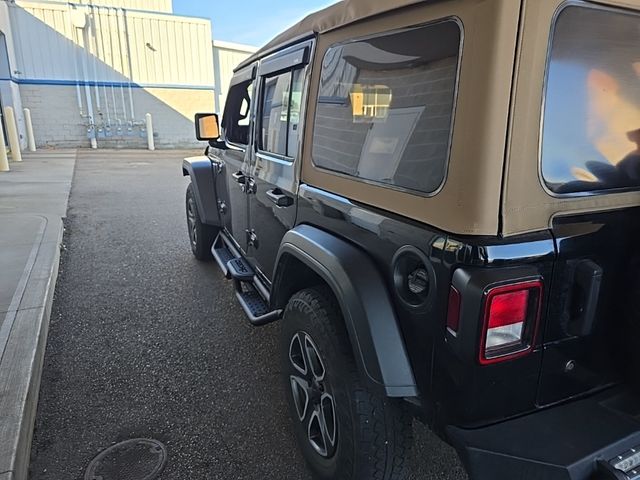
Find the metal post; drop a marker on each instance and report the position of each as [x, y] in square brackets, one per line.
[4, 161]
[31, 141]
[150, 142]
[12, 131]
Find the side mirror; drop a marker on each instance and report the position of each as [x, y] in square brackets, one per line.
[207, 126]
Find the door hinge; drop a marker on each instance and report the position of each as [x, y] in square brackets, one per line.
[249, 186]
[217, 167]
[222, 207]
[252, 238]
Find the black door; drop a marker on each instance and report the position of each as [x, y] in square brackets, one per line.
[232, 162]
[274, 170]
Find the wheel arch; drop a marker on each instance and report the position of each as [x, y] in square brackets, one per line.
[366, 307]
[201, 174]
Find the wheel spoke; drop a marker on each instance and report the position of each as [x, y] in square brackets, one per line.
[300, 391]
[315, 362]
[317, 433]
[190, 213]
[191, 221]
[297, 356]
[328, 411]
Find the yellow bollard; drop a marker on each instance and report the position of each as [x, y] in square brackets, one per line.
[12, 132]
[31, 140]
[149, 124]
[4, 161]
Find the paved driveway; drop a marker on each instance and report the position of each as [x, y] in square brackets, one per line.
[147, 342]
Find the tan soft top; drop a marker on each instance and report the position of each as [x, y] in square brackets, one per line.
[335, 16]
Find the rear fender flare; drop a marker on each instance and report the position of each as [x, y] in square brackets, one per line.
[368, 313]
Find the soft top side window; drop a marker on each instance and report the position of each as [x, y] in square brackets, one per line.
[385, 107]
[237, 113]
[280, 112]
[591, 123]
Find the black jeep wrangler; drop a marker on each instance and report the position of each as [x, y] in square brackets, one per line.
[440, 201]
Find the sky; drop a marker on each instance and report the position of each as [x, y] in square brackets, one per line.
[252, 22]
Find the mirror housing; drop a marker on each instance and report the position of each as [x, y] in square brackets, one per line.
[207, 126]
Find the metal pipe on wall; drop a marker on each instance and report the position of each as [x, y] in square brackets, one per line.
[91, 131]
[113, 88]
[130, 64]
[92, 32]
[122, 69]
[75, 60]
[102, 55]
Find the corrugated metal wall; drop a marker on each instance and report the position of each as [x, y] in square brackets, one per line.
[115, 46]
[152, 5]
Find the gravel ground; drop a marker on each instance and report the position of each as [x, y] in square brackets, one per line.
[145, 341]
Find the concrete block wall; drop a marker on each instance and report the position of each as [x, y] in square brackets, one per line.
[57, 121]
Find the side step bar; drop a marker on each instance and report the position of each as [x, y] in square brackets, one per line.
[250, 292]
[222, 254]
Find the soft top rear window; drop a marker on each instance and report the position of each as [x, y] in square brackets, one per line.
[591, 129]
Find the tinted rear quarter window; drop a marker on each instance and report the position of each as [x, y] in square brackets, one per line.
[385, 107]
[591, 123]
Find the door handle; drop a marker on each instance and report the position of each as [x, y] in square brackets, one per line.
[239, 177]
[279, 198]
[587, 280]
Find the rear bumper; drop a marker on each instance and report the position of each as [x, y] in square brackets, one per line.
[560, 443]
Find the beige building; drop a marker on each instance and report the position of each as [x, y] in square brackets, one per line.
[226, 57]
[90, 71]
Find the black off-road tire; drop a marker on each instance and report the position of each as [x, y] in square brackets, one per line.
[373, 434]
[201, 236]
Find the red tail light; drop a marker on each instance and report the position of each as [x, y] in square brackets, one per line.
[510, 321]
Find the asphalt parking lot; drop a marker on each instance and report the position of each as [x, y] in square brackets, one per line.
[145, 341]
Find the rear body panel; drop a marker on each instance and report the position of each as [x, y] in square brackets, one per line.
[447, 376]
[578, 360]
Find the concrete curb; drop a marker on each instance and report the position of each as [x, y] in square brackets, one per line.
[23, 353]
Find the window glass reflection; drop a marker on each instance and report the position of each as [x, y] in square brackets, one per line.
[591, 130]
[385, 107]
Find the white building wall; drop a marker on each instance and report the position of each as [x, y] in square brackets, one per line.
[164, 6]
[9, 92]
[116, 44]
[226, 57]
[172, 110]
[103, 78]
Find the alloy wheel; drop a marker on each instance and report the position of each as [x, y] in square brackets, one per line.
[312, 394]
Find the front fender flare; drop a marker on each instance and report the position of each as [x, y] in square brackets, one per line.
[204, 187]
[368, 313]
